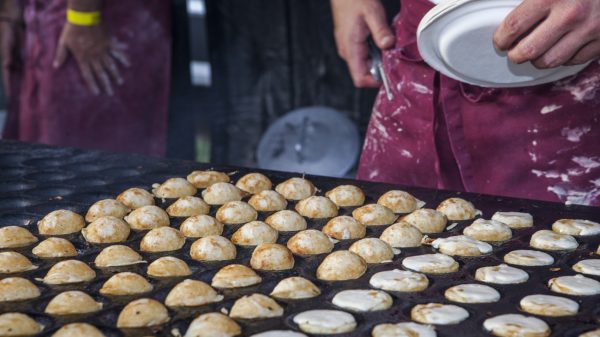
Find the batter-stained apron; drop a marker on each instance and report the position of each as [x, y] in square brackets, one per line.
[54, 106]
[540, 142]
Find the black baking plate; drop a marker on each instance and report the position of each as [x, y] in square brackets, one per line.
[35, 180]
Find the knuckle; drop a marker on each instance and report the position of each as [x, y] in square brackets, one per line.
[575, 12]
[512, 25]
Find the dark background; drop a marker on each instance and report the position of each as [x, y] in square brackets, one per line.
[268, 57]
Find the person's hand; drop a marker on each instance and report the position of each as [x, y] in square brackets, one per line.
[354, 22]
[551, 33]
[96, 54]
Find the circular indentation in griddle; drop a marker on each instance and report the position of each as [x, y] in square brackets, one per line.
[52, 191]
[15, 186]
[45, 208]
[13, 172]
[17, 219]
[45, 162]
[120, 173]
[86, 167]
[16, 203]
[86, 182]
[90, 197]
[12, 159]
[50, 176]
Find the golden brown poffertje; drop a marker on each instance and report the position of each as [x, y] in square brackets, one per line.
[106, 229]
[373, 250]
[17, 289]
[54, 248]
[341, 265]
[286, 221]
[204, 179]
[213, 324]
[374, 215]
[78, 330]
[106, 207]
[457, 209]
[235, 213]
[18, 324]
[192, 293]
[221, 193]
[255, 306]
[16, 237]
[72, 303]
[235, 276]
[13, 262]
[317, 207]
[346, 196]
[168, 266]
[188, 206]
[135, 198]
[117, 256]
[126, 284]
[147, 217]
[254, 233]
[200, 226]
[400, 201]
[295, 288]
[213, 248]
[427, 220]
[162, 239]
[69, 272]
[254, 183]
[345, 228]
[310, 242]
[60, 222]
[272, 256]
[296, 189]
[402, 235]
[144, 312]
[173, 188]
[268, 201]
[488, 230]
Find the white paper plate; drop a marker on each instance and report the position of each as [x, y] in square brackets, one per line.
[455, 38]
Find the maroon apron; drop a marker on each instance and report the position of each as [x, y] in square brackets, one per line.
[540, 142]
[54, 106]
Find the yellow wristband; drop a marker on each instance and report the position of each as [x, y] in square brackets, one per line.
[83, 18]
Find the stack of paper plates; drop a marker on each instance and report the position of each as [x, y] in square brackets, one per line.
[455, 38]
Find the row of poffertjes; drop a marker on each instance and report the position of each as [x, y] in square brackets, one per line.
[110, 221]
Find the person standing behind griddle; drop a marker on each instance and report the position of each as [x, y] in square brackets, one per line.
[88, 73]
[537, 142]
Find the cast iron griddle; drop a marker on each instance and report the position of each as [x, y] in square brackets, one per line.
[35, 180]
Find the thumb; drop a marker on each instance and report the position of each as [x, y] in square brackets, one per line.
[380, 30]
[61, 56]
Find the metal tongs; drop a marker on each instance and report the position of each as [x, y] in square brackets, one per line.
[377, 70]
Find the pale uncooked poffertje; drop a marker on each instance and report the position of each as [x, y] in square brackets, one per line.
[54, 248]
[511, 325]
[213, 248]
[347, 196]
[576, 227]
[374, 215]
[461, 245]
[373, 250]
[168, 266]
[188, 206]
[106, 229]
[488, 230]
[235, 213]
[268, 201]
[255, 306]
[221, 193]
[60, 222]
[16, 237]
[400, 201]
[235, 276]
[254, 233]
[548, 305]
[117, 256]
[501, 274]
[272, 256]
[14, 289]
[106, 207]
[14, 324]
[529, 258]
[162, 239]
[69, 272]
[427, 220]
[147, 217]
[13, 262]
[173, 188]
[213, 324]
[295, 288]
[317, 207]
[549, 240]
[310, 242]
[407, 329]
[135, 198]
[325, 322]
[399, 280]
[457, 209]
[589, 267]
[402, 235]
[341, 265]
[345, 228]
[286, 221]
[78, 330]
[431, 263]
[200, 226]
[472, 293]
[254, 183]
[126, 284]
[362, 300]
[577, 285]
[515, 220]
[203, 179]
[296, 189]
[144, 312]
[438, 313]
[72, 303]
[192, 293]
